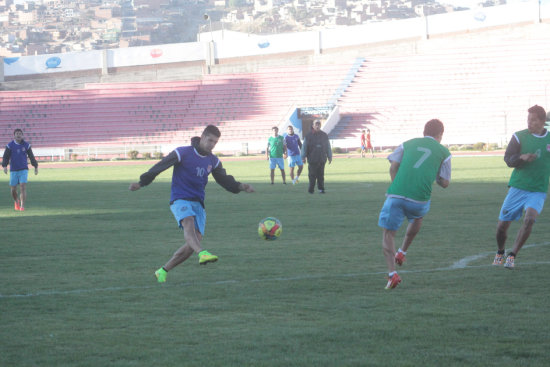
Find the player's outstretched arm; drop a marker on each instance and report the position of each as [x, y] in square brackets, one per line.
[148, 177]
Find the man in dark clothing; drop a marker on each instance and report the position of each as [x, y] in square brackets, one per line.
[316, 151]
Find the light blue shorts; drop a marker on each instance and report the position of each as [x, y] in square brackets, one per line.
[274, 162]
[183, 209]
[517, 201]
[19, 177]
[396, 209]
[295, 160]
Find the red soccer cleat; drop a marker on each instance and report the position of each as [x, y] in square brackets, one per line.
[399, 258]
[16, 206]
[393, 281]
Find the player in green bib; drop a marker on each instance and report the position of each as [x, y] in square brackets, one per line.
[415, 165]
[276, 153]
[529, 154]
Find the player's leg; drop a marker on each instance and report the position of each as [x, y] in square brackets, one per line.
[311, 177]
[14, 182]
[300, 168]
[321, 178]
[192, 244]
[390, 219]
[15, 196]
[291, 168]
[511, 210]
[534, 203]
[525, 229]
[272, 166]
[388, 244]
[502, 234]
[522, 236]
[281, 165]
[412, 230]
[22, 195]
[388, 247]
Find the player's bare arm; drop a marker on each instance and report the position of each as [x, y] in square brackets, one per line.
[394, 167]
[528, 157]
[442, 182]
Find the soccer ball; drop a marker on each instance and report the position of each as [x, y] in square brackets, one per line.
[270, 228]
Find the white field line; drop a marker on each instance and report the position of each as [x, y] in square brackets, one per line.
[460, 264]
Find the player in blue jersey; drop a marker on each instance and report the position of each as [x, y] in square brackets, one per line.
[16, 154]
[192, 166]
[293, 146]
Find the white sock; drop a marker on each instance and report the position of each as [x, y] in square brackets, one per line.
[404, 252]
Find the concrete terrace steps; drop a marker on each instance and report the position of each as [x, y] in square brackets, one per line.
[244, 106]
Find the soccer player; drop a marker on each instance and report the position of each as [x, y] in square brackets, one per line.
[276, 153]
[293, 146]
[316, 151]
[363, 143]
[16, 154]
[192, 166]
[529, 154]
[368, 144]
[415, 165]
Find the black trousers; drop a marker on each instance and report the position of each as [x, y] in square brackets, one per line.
[316, 173]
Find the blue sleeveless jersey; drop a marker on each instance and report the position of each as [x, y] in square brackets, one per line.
[190, 174]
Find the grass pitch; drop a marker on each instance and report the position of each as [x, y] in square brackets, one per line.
[77, 285]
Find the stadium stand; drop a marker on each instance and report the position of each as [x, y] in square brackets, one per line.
[479, 84]
[245, 106]
[480, 94]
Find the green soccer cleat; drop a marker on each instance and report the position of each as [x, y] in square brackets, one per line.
[206, 257]
[161, 275]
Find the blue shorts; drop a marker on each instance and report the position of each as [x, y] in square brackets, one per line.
[183, 209]
[273, 162]
[519, 200]
[19, 177]
[295, 160]
[396, 209]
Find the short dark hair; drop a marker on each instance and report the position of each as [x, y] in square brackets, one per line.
[317, 122]
[433, 128]
[539, 111]
[275, 128]
[212, 130]
[16, 130]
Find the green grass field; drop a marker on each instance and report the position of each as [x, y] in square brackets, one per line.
[78, 289]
